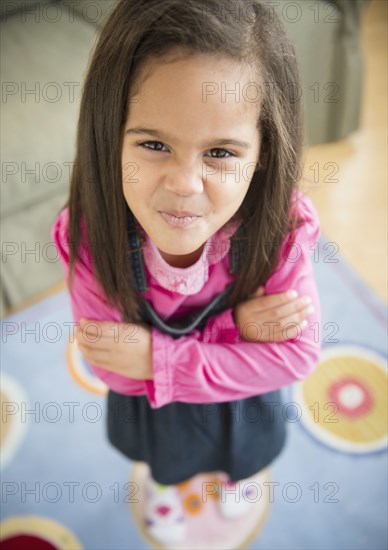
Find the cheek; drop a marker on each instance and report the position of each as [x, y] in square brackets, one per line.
[232, 187]
[130, 172]
[233, 176]
[225, 199]
[249, 170]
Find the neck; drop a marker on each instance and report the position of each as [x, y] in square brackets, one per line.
[182, 260]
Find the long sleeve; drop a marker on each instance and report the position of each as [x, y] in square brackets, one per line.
[216, 365]
[87, 301]
[213, 364]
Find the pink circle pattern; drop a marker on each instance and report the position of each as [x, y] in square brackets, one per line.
[365, 405]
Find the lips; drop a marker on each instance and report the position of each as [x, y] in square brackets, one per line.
[181, 214]
[178, 221]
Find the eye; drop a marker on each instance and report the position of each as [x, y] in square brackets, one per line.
[152, 145]
[220, 153]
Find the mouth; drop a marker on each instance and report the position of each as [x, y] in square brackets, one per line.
[180, 214]
[179, 221]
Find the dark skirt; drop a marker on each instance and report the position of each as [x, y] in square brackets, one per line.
[181, 440]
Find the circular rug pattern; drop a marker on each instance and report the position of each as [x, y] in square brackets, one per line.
[206, 527]
[12, 399]
[82, 373]
[36, 533]
[344, 401]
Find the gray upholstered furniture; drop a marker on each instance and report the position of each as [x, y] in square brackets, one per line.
[45, 50]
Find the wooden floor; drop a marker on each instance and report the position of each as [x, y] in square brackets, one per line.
[353, 211]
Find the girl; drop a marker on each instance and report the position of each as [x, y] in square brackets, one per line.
[184, 230]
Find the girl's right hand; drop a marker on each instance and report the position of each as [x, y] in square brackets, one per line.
[263, 318]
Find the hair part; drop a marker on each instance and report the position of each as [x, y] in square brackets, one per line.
[136, 32]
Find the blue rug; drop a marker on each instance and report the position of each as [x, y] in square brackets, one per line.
[64, 486]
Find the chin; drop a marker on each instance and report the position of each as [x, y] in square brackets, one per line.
[185, 255]
[179, 251]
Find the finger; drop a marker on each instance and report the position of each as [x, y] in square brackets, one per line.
[294, 331]
[282, 332]
[293, 324]
[294, 314]
[99, 345]
[280, 305]
[264, 302]
[96, 357]
[260, 291]
[297, 309]
[278, 320]
[298, 316]
[290, 331]
[83, 337]
[93, 330]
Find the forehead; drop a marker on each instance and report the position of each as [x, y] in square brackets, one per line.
[218, 91]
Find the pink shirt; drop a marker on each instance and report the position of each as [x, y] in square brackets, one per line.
[213, 364]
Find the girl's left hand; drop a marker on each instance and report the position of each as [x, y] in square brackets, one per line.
[118, 347]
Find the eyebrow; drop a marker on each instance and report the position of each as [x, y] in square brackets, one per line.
[162, 135]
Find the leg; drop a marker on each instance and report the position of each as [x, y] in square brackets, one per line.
[163, 513]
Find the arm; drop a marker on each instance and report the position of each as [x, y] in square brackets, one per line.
[87, 301]
[202, 367]
[216, 366]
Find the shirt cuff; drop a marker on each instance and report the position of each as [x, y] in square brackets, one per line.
[159, 390]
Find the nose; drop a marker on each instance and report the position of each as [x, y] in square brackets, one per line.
[184, 180]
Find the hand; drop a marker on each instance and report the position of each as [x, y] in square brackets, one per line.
[270, 314]
[118, 347]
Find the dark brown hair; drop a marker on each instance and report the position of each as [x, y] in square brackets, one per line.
[140, 30]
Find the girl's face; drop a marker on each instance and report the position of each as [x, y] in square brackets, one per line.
[190, 145]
